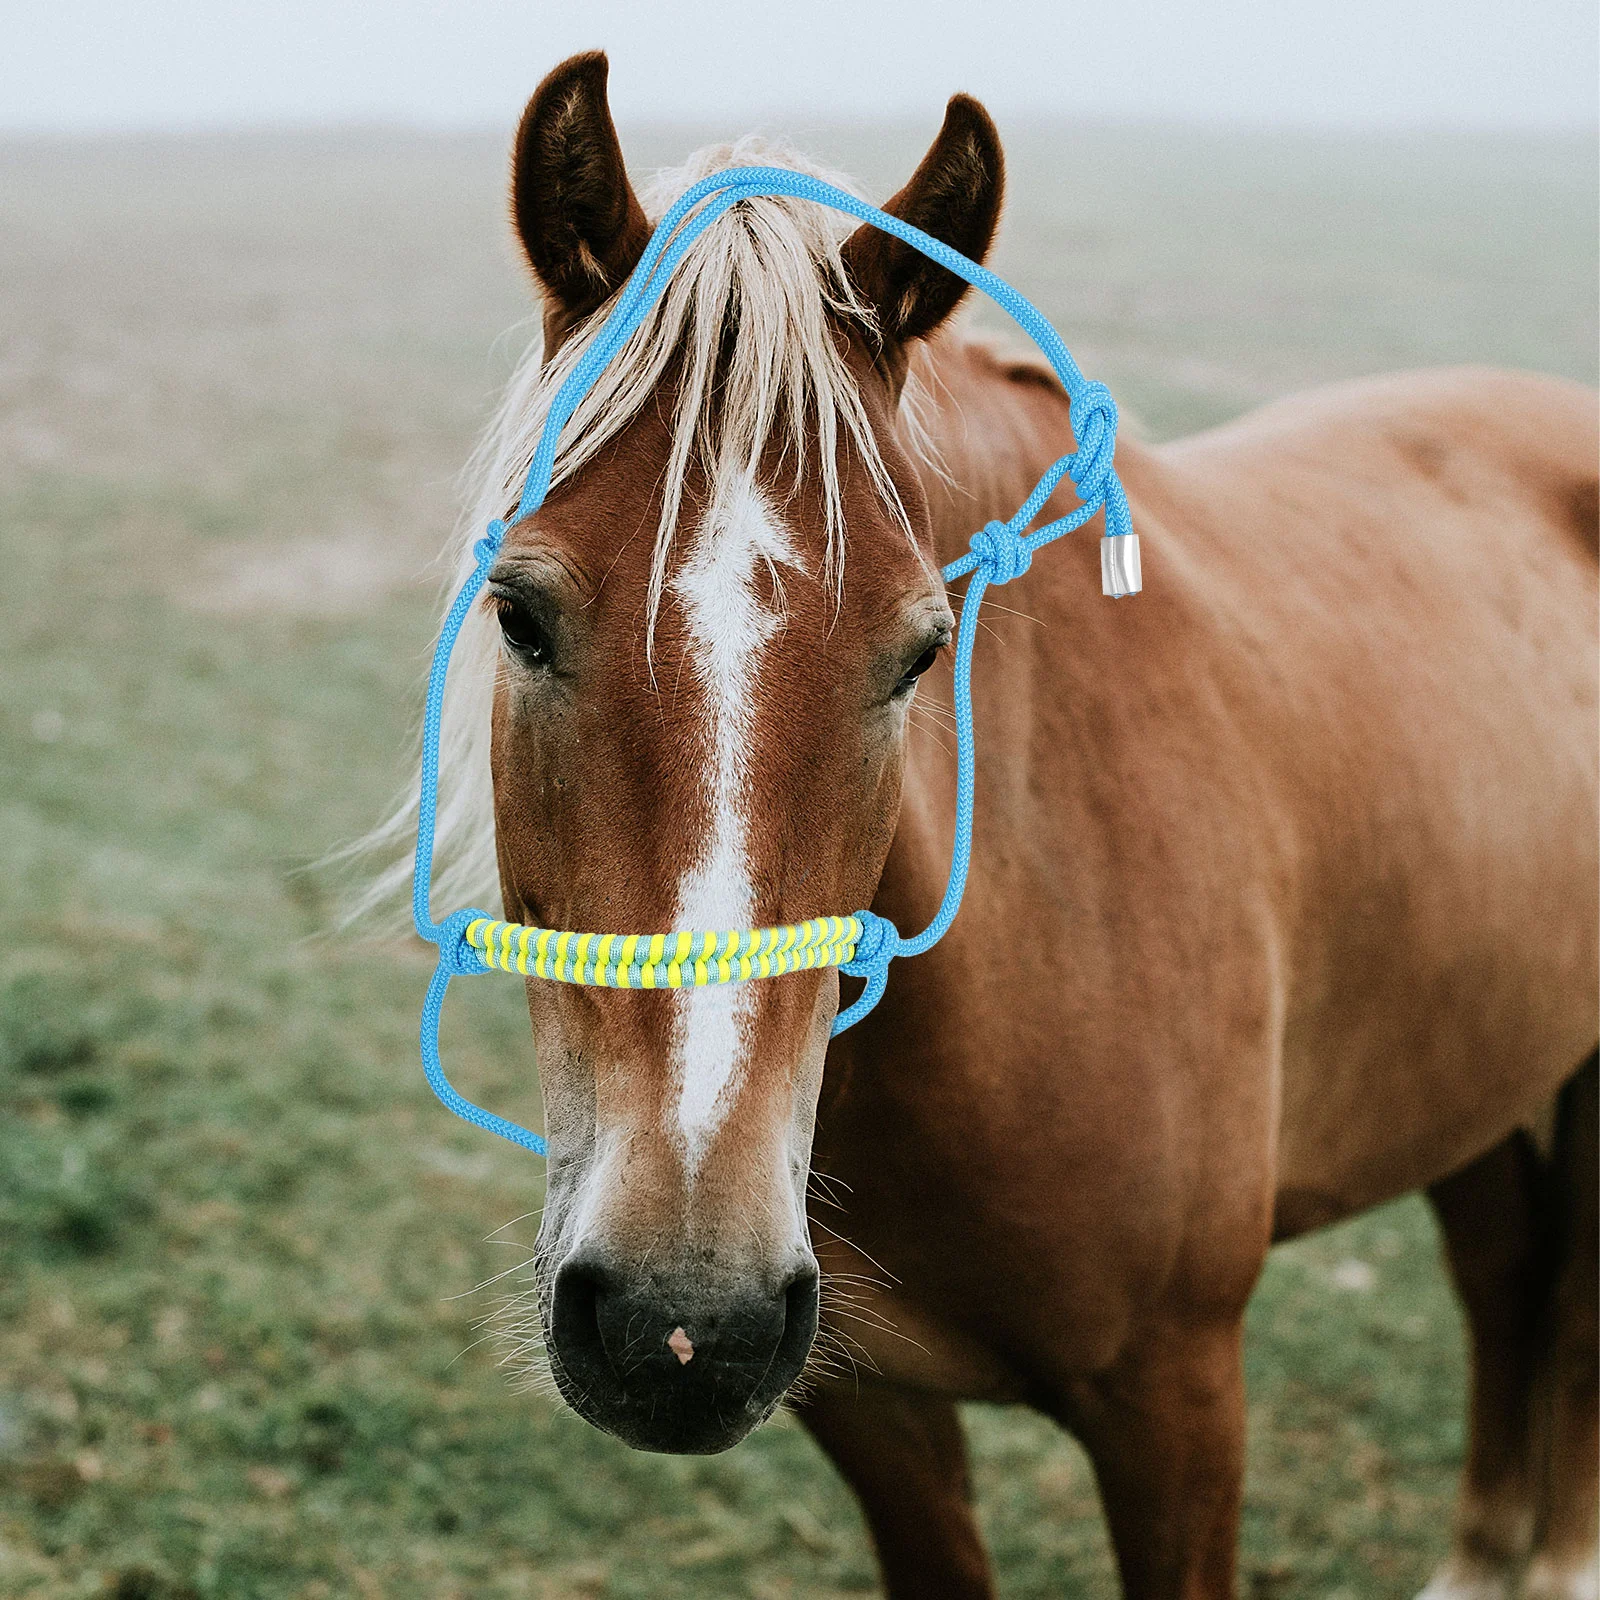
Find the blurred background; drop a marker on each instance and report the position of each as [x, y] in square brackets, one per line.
[256, 284]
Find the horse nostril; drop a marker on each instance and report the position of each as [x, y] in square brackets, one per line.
[800, 1297]
[801, 1289]
[580, 1288]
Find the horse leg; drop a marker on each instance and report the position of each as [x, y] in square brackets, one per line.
[1490, 1213]
[1564, 1565]
[1505, 1241]
[906, 1458]
[1165, 1430]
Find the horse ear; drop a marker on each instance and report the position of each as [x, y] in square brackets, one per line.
[573, 207]
[955, 195]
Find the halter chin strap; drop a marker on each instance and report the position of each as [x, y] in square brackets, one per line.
[862, 945]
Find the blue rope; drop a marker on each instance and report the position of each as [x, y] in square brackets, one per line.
[998, 552]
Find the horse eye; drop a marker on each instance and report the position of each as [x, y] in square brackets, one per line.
[916, 669]
[524, 633]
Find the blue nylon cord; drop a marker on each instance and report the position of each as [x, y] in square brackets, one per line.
[999, 552]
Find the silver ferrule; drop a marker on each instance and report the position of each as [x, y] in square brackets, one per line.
[1119, 565]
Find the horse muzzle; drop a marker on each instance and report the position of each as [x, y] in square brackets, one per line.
[682, 1363]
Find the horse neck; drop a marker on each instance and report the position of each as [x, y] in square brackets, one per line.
[997, 422]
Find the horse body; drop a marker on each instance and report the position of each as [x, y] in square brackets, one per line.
[1267, 923]
[1281, 898]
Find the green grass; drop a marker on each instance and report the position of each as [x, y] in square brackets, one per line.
[237, 1236]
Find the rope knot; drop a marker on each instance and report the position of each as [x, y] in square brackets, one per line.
[1094, 422]
[875, 949]
[1000, 552]
[489, 545]
[456, 956]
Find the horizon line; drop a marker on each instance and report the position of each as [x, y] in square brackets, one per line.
[1098, 121]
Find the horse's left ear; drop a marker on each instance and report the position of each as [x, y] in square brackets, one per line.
[955, 195]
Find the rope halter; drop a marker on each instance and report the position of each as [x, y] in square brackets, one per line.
[863, 944]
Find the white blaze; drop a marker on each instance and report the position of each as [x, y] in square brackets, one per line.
[728, 628]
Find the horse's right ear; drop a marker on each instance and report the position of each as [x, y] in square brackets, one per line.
[955, 194]
[573, 207]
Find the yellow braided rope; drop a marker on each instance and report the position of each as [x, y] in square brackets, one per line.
[663, 960]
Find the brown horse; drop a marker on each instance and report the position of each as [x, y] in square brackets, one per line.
[1282, 902]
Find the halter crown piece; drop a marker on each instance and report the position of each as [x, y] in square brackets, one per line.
[861, 945]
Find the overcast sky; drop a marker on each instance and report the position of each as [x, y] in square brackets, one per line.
[97, 64]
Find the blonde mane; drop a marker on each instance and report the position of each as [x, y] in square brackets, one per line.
[747, 316]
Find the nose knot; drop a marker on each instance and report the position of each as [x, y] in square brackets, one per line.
[1000, 552]
[879, 944]
[875, 949]
[1094, 421]
[456, 956]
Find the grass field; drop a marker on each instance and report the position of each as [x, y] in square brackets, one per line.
[238, 1238]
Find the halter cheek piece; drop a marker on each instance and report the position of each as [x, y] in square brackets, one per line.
[861, 945]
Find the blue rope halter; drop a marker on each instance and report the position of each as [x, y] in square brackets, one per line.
[998, 552]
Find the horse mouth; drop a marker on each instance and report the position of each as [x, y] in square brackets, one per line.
[690, 1381]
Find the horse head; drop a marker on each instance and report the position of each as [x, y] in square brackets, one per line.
[709, 641]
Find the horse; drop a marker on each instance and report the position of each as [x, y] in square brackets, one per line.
[1282, 901]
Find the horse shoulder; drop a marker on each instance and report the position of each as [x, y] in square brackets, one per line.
[1396, 578]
